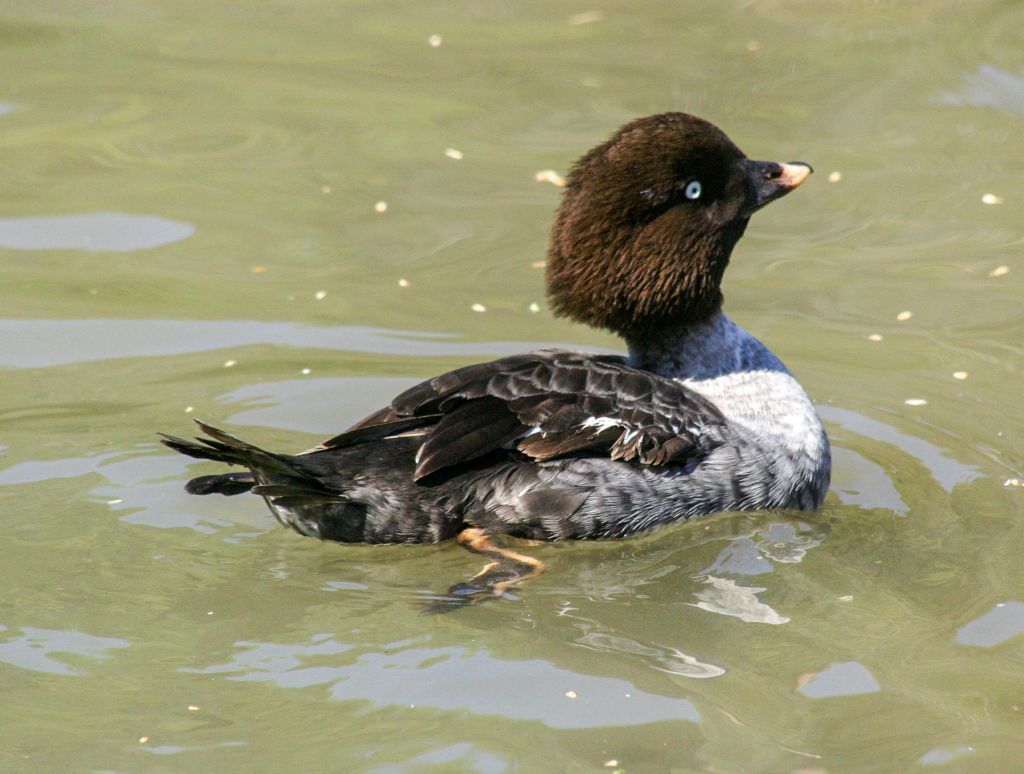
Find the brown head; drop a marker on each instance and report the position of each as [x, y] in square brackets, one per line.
[648, 221]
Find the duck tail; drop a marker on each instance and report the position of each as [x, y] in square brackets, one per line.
[224, 447]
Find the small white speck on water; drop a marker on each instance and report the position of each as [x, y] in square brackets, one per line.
[193, 708]
[115, 501]
[904, 315]
[380, 206]
[307, 371]
[434, 41]
[991, 199]
[835, 177]
[538, 264]
[571, 694]
[550, 176]
[753, 45]
[847, 598]
[534, 307]
[209, 612]
[875, 337]
[143, 739]
[189, 409]
[1015, 482]
[587, 17]
[961, 375]
[478, 308]
[325, 189]
[403, 282]
[999, 271]
[916, 402]
[453, 154]
[611, 764]
[320, 295]
[230, 363]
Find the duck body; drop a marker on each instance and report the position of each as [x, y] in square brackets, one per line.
[700, 417]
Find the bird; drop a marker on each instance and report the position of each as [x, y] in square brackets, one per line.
[697, 417]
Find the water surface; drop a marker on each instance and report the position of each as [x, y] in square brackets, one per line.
[191, 225]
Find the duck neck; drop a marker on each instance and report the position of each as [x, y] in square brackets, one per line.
[702, 349]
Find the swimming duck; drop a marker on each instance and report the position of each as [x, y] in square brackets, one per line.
[699, 417]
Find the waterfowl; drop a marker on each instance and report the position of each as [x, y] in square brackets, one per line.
[699, 416]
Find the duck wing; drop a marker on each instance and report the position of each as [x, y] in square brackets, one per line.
[546, 404]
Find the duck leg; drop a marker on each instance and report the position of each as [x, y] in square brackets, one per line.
[505, 570]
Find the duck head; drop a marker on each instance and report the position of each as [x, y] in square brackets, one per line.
[648, 221]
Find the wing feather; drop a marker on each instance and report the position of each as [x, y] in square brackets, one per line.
[546, 404]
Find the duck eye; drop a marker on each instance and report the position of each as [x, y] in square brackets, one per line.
[693, 189]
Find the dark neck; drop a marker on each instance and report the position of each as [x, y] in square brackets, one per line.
[690, 350]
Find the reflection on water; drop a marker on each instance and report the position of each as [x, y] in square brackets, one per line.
[35, 343]
[1003, 622]
[850, 678]
[473, 681]
[35, 649]
[664, 659]
[726, 597]
[111, 231]
[947, 471]
[991, 87]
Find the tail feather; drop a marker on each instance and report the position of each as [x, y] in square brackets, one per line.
[225, 447]
[225, 484]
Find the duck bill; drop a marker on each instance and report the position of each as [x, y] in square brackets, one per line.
[769, 180]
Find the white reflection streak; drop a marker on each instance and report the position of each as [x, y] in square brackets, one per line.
[726, 597]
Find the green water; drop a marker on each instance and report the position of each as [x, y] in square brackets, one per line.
[188, 219]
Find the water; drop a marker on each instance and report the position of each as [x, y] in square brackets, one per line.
[189, 227]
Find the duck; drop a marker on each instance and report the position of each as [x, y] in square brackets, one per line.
[696, 418]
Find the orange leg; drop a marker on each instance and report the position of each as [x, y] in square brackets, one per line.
[506, 569]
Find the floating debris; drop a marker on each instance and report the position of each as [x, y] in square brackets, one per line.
[189, 409]
[571, 694]
[193, 708]
[143, 739]
[259, 269]
[916, 402]
[453, 154]
[904, 315]
[307, 371]
[991, 199]
[847, 598]
[115, 501]
[835, 177]
[1013, 482]
[534, 307]
[550, 176]
[587, 17]
[478, 308]
[999, 271]
[611, 764]
[230, 363]
[434, 41]
[753, 45]
[403, 282]
[875, 337]
[326, 189]
[538, 264]
[320, 295]
[961, 375]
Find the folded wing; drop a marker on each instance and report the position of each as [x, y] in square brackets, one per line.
[546, 405]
